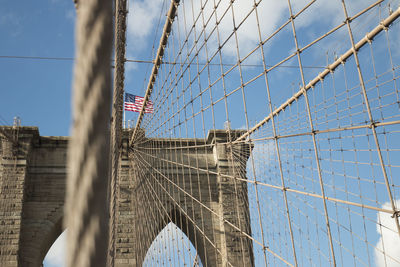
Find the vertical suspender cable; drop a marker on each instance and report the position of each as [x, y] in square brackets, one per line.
[116, 122]
[88, 152]
[157, 62]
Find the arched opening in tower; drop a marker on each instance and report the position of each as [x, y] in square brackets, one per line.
[55, 257]
[172, 248]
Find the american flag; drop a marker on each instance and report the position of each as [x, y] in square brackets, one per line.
[135, 103]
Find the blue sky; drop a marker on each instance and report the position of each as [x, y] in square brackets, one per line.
[38, 91]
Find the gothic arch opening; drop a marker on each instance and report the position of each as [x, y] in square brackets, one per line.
[52, 241]
[55, 256]
[38, 233]
[172, 247]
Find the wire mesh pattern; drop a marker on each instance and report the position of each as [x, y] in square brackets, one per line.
[313, 88]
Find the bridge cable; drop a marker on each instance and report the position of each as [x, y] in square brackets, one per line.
[160, 53]
[87, 203]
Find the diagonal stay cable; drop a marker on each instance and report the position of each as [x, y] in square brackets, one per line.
[219, 216]
[273, 186]
[177, 204]
[161, 208]
[156, 66]
[330, 68]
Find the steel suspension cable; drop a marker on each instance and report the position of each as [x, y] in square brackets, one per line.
[159, 56]
[88, 152]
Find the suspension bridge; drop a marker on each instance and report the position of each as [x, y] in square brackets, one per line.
[273, 141]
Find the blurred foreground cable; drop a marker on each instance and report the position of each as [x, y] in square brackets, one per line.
[88, 154]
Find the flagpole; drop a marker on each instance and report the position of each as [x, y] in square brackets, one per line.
[124, 116]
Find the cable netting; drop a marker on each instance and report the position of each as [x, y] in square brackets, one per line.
[274, 138]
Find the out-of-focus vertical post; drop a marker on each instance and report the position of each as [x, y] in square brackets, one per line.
[87, 204]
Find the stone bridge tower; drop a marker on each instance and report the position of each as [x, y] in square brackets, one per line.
[32, 191]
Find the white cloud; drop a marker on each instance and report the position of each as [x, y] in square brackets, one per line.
[56, 255]
[142, 19]
[271, 15]
[389, 240]
[141, 23]
[144, 15]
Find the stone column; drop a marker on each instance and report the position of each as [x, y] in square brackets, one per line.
[13, 172]
[233, 204]
[125, 241]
